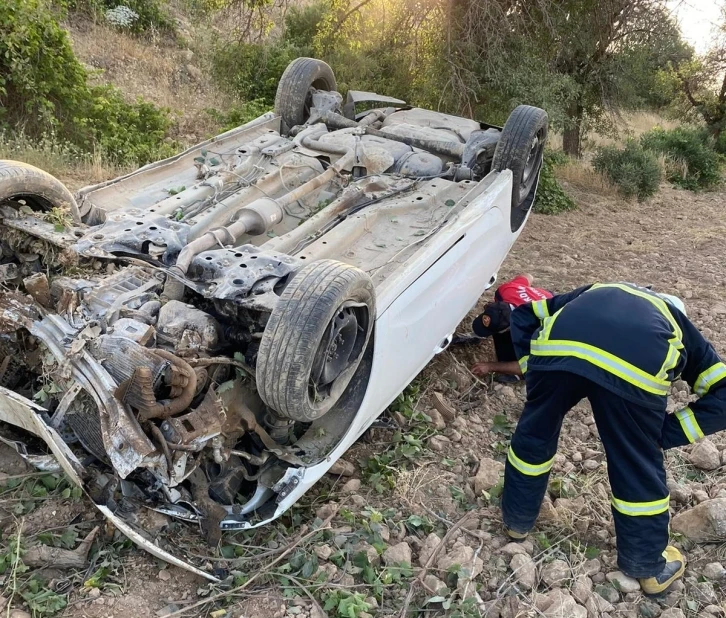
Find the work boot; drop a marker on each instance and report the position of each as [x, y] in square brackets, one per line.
[515, 536]
[674, 568]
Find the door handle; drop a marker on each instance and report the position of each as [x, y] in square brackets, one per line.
[492, 281]
[444, 344]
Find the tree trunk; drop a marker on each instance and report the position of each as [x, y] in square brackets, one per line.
[572, 135]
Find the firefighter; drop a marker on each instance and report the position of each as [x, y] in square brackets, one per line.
[620, 346]
[494, 322]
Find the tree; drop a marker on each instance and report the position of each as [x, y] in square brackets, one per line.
[702, 82]
[582, 46]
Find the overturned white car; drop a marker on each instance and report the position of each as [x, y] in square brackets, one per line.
[211, 332]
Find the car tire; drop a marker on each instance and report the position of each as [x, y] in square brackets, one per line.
[521, 150]
[40, 190]
[315, 339]
[294, 91]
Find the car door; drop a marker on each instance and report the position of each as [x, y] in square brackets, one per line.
[421, 310]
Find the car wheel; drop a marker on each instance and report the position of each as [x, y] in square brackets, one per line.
[38, 189]
[315, 339]
[521, 150]
[294, 92]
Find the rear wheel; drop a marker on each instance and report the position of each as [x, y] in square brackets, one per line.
[294, 97]
[521, 150]
[315, 339]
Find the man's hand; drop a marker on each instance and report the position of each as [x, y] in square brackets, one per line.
[481, 369]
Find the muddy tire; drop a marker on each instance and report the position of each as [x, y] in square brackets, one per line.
[294, 92]
[40, 190]
[521, 150]
[315, 339]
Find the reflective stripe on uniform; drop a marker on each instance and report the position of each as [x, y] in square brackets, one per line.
[527, 468]
[523, 363]
[605, 360]
[671, 359]
[689, 424]
[708, 378]
[640, 509]
[540, 309]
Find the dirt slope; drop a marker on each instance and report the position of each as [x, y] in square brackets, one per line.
[677, 243]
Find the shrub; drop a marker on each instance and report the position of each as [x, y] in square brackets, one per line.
[635, 171]
[691, 161]
[551, 197]
[44, 91]
[239, 114]
[252, 70]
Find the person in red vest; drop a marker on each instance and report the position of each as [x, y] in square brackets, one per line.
[494, 322]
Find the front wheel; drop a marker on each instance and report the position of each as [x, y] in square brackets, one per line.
[315, 339]
[521, 150]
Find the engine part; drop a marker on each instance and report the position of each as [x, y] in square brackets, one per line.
[37, 286]
[122, 356]
[198, 426]
[134, 330]
[176, 318]
[124, 288]
[138, 390]
[8, 272]
[126, 444]
[133, 232]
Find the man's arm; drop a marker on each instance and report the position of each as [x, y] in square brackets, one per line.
[705, 373]
[511, 368]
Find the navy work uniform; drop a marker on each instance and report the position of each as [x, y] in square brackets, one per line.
[621, 347]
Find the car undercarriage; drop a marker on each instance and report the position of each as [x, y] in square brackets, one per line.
[190, 333]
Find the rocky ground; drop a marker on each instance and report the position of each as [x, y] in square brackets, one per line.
[413, 521]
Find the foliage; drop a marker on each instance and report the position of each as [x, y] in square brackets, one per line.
[345, 604]
[44, 90]
[125, 132]
[691, 161]
[142, 14]
[634, 170]
[240, 114]
[252, 70]
[698, 84]
[22, 494]
[551, 197]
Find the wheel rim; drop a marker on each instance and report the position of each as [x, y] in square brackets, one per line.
[339, 351]
[532, 165]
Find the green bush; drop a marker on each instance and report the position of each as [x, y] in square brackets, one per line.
[633, 170]
[551, 197]
[252, 70]
[44, 91]
[691, 161]
[239, 114]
